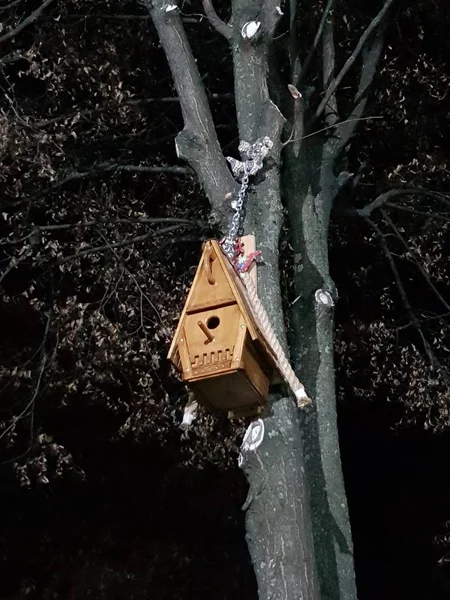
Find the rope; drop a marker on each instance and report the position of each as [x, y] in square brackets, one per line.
[253, 158]
[282, 362]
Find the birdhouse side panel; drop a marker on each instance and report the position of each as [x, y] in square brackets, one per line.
[254, 369]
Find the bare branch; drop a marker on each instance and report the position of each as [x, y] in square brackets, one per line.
[127, 17]
[13, 264]
[370, 61]
[293, 140]
[116, 168]
[36, 231]
[130, 102]
[415, 260]
[366, 211]
[414, 211]
[10, 5]
[32, 17]
[312, 50]
[215, 21]
[334, 84]
[328, 62]
[115, 17]
[175, 170]
[10, 58]
[403, 295]
[197, 143]
[298, 122]
[127, 242]
[42, 365]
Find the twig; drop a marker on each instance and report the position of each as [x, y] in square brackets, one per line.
[10, 58]
[414, 211]
[403, 295]
[366, 211]
[415, 260]
[330, 127]
[105, 221]
[316, 41]
[131, 102]
[13, 264]
[32, 17]
[141, 291]
[42, 365]
[108, 166]
[334, 84]
[329, 62]
[127, 242]
[368, 70]
[10, 5]
[215, 21]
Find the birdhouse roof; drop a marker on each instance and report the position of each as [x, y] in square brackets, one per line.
[227, 289]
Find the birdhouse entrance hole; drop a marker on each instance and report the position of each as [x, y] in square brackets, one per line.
[213, 322]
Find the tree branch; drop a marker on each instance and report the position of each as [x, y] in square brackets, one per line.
[414, 211]
[32, 17]
[312, 50]
[127, 242]
[36, 231]
[334, 84]
[368, 70]
[10, 58]
[13, 264]
[366, 211]
[298, 121]
[131, 102]
[108, 166]
[197, 143]
[10, 5]
[415, 260]
[328, 62]
[403, 295]
[42, 365]
[215, 21]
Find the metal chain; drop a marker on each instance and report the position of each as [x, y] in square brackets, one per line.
[233, 230]
[255, 154]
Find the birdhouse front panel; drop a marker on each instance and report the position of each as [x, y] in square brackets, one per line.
[213, 339]
[211, 285]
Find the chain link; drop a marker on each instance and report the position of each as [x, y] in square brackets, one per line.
[255, 155]
[233, 231]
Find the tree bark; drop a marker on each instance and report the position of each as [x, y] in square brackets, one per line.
[278, 519]
[310, 187]
[197, 143]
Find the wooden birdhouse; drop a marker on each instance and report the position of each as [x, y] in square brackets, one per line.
[218, 349]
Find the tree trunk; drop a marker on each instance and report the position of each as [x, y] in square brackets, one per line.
[310, 188]
[278, 520]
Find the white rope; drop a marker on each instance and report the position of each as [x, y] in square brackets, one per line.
[254, 155]
[282, 362]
